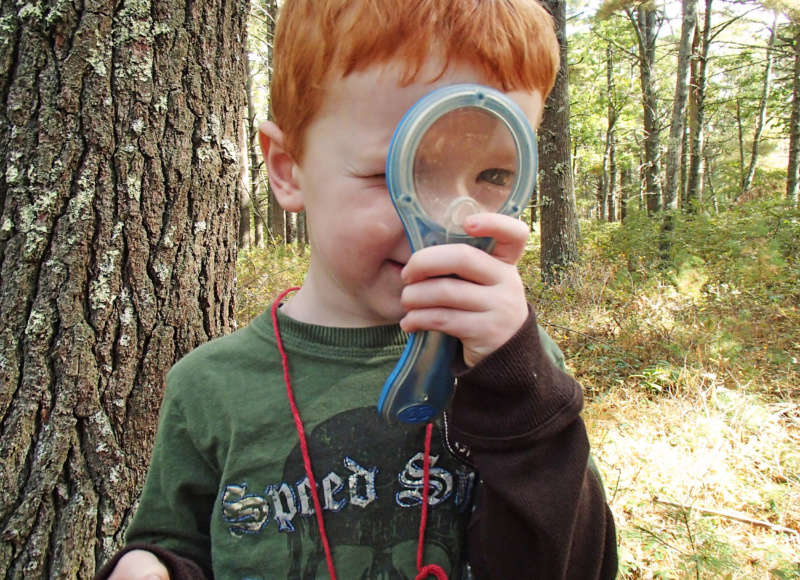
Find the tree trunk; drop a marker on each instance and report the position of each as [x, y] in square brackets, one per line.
[247, 233]
[611, 145]
[644, 21]
[694, 187]
[559, 220]
[676, 131]
[277, 218]
[793, 168]
[302, 229]
[684, 165]
[245, 199]
[259, 188]
[627, 185]
[747, 181]
[119, 180]
[601, 199]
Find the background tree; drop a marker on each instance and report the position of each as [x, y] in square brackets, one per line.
[677, 125]
[697, 105]
[747, 177]
[119, 181]
[793, 168]
[559, 220]
[608, 203]
[646, 22]
[267, 215]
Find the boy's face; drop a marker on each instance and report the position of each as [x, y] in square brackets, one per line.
[358, 244]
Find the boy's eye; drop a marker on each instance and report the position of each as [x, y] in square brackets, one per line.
[496, 176]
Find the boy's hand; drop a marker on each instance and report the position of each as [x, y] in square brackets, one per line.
[139, 565]
[465, 292]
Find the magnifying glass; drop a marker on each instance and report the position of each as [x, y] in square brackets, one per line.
[460, 150]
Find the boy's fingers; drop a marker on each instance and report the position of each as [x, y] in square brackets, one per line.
[462, 326]
[509, 233]
[466, 262]
[447, 292]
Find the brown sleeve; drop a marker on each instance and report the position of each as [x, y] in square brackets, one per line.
[179, 567]
[540, 510]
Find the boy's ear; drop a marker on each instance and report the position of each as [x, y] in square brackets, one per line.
[281, 167]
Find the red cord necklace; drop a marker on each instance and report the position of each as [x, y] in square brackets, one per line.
[422, 571]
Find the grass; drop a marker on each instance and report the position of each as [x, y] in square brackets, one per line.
[691, 368]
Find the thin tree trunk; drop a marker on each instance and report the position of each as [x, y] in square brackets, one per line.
[302, 229]
[644, 21]
[559, 238]
[119, 179]
[245, 199]
[793, 168]
[740, 134]
[600, 199]
[260, 188]
[612, 141]
[255, 234]
[684, 166]
[609, 175]
[747, 181]
[676, 131]
[694, 187]
[627, 185]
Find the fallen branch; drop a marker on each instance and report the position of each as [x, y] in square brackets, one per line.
[729, 515]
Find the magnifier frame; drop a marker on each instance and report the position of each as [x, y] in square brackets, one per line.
[421, 384]
[422, 231]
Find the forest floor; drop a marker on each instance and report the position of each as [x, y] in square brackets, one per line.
[690, 361]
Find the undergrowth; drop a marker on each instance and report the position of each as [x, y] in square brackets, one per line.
[691, 367]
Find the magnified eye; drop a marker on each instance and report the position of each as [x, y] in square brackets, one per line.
[496, 176]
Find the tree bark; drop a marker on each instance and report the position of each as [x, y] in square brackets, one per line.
[694, 187]
[249, 167]
[267, 11]
[676, 131]
[119, 184]
[793, 168]
[645, 24]
[747, 181]
[559, 220]
[610, 158]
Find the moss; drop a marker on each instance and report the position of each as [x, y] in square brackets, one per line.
[137, 126]
[134, 185]
[230, 150]
[6, 228]
[98, 58]
[101, 296]
[12, 174]
[38, 324]
[30, 11]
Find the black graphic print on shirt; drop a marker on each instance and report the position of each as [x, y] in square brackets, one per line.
[370, 494]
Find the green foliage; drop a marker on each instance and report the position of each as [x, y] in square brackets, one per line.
[692, 367]
[262, 273]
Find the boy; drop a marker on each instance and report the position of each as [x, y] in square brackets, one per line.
[509, 492]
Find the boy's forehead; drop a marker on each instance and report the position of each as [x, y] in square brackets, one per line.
[378, 96]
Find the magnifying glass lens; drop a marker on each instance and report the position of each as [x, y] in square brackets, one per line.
[465, 163]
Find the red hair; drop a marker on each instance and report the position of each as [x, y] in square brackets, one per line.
[512, 42]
